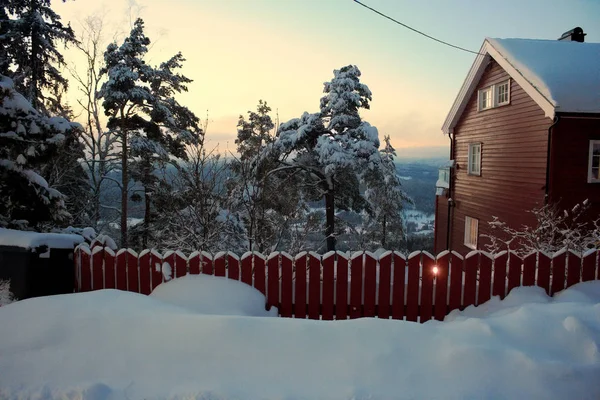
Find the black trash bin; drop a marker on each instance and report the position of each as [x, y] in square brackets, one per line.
[37, 271]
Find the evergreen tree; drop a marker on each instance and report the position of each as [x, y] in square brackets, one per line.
[30, 33]
[28, 141]
[332, 149]
[149, 123]
[386, 199]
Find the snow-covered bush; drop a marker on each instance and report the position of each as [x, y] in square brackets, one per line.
[555, 229]
[6, 297]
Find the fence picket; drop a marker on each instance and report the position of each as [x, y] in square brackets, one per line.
[356, 281]
[427, 278]
[485, 278]
[168, 266]
[86, 272]
[273, 280]
[180, 265]
[219, 264]
[328, 285]
[314, 286]
[156, 274]
[287, 287]
[456, 281]
[121, 269]
[247, 269]
[588, 270]
[543, 272]
[385, 277]
[515, 268]
[98, 268]
[471, 270]
[370, 285]
[133, 284]
[573, 269]
[260, 276]
[399, 288]
[300, 293]
[109, 268]
[412, 290]
[341, 287]
[441, 286]
[499, 271]
[233, 267]
[144, 263]
[559, 262]
[529, 267]
[194, 263]
[207, 263]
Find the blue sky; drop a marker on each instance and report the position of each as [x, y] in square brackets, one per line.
[240, 51]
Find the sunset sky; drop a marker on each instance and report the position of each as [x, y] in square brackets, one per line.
[281, 51]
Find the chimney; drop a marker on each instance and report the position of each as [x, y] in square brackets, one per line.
[574, 35]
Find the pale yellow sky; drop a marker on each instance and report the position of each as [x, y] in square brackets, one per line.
[237, 55]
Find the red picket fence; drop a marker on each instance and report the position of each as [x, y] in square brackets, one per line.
[336, 286]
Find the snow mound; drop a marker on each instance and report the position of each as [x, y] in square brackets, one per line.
[214, 295]
[117, 345]
[31, 240]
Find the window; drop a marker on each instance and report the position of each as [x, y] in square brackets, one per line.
[494, 96]
[474, 159]
[485, 98]
[471, 232]
[503, 93]
[594, 162]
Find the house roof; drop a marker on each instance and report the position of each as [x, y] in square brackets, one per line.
[560, 76]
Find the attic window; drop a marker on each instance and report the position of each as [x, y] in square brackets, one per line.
[485, 98]
[594, 162]
[494, 96]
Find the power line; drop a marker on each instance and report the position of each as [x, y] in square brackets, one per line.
[416, 30]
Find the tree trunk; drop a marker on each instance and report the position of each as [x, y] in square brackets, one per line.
[330, 219]
[125, 184]
[146, 233]
[383, 233]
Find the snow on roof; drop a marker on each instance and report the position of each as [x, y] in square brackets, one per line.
[30, 240]
[566, 73]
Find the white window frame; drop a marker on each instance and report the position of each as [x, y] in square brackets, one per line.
[497, 93]
[469, 234]
[493, 96]
[482, 93]
[591, 178]
[470, 169]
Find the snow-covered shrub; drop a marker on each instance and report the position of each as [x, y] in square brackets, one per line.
[6, 297]
[555, 229]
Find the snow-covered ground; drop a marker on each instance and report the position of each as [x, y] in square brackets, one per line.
[118, 345]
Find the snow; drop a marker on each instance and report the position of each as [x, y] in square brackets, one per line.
[565, 73]
[31, 240]
[118, 345]
[213, 295]
[6, 297]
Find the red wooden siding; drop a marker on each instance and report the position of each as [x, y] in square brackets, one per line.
[569, 163]
[513, 162]
[337, 287]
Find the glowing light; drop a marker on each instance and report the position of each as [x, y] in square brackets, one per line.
[435, 270]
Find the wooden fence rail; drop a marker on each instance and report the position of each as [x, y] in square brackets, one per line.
[340, 286]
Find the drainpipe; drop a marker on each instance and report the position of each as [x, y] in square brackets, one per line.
[556, 119]
[450, 176]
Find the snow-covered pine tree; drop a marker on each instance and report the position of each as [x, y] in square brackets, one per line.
[30, 34]
[386, 199]
[143, 113]
[28, 140]
[333, 147]
[262, 200]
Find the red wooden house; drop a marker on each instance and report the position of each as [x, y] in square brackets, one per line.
[524, 131]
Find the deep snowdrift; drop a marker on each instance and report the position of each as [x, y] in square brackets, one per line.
[214, 295]
[117, 345]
